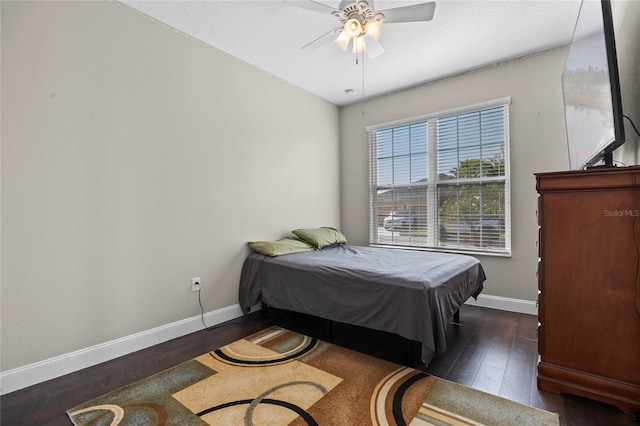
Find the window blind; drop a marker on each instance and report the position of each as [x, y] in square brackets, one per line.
[442, 181]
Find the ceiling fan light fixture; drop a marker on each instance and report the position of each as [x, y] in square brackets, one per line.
[359, 45]
[373, 27]
[352, 28]
[343, 40]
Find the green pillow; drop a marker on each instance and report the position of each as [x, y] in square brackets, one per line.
[280, 247]
[321, 237]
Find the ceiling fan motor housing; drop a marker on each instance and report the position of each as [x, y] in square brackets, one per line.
[359, 10]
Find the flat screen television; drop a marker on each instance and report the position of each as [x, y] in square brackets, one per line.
[591, 89]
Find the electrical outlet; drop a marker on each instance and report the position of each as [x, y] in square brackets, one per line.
[195, 284]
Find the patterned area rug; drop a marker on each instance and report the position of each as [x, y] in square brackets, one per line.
[279, 377]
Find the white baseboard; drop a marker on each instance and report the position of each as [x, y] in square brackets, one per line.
[22, 377]
[505, 304]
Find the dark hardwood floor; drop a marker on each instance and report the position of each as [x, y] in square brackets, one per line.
[494, 351]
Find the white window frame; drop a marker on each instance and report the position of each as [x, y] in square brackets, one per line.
[432, 242]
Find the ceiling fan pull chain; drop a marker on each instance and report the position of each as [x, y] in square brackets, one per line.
[362, 53]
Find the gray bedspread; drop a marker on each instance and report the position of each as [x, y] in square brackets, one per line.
[407, 292]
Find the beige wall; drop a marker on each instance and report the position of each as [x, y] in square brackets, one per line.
[135, 158]
[538, 140]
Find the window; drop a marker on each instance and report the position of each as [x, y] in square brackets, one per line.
[442, 181]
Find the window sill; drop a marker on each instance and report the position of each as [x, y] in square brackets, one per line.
[447, 250]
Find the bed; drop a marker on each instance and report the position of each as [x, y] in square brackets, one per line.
[407, 292]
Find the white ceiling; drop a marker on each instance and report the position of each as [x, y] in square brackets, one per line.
[463, 35]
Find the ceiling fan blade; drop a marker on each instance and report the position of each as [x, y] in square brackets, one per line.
[312, 5]
[414, 13]
[331, 35]
[374, 48]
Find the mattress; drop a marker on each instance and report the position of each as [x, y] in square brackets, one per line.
[408, 292]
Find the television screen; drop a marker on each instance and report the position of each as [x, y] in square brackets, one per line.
[591, 90]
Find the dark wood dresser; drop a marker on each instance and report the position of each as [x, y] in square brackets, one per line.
[589, 284]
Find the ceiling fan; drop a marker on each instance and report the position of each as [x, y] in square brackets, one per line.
[360, 24]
